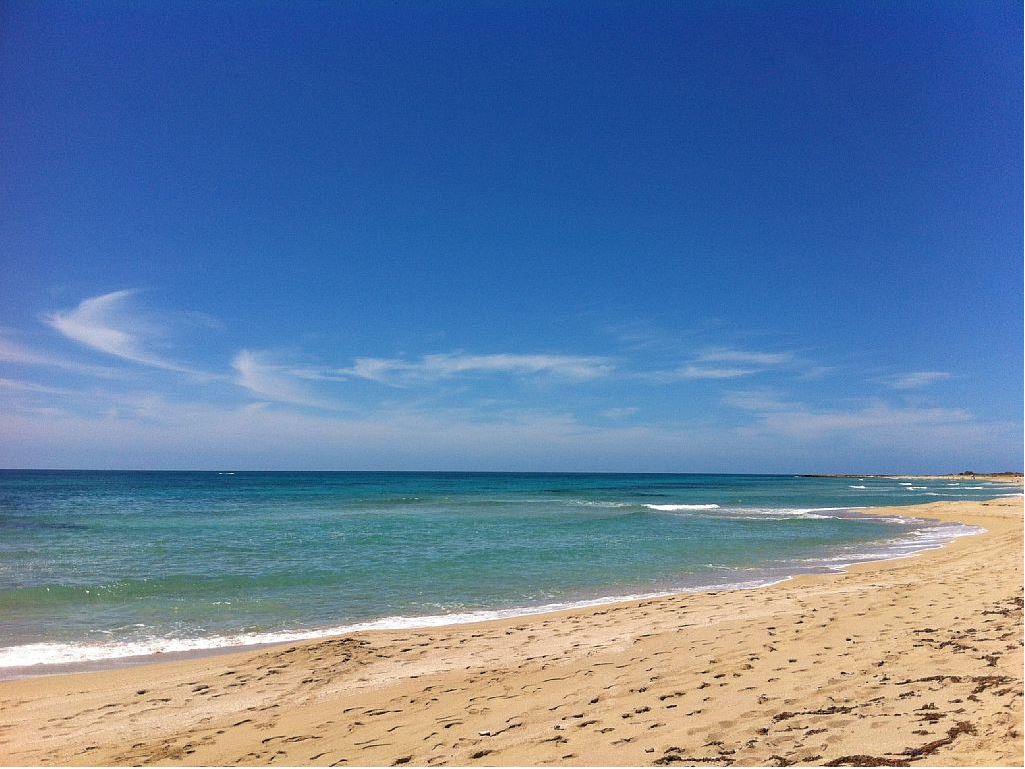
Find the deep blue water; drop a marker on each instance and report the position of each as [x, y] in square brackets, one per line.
[99, 565]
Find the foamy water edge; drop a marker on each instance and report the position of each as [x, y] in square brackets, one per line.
[32, 657]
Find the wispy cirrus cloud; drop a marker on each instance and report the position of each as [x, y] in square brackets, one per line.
[694, 371]
[723, 363]
[12, 352]
[914, 380]
[644, 335]
[812, 373]
[34, 387]
[429, 368]
[879, 417]
[106, 323]
[749, 357]
[875, 422]
[757, 400]
[620, 412]
[257, 373]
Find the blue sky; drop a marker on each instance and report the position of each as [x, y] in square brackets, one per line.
[766, 237]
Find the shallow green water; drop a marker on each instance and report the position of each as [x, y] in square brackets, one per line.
[101, 565]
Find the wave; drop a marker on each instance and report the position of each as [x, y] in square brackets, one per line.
[671, 508]
[859, 487]
[30, 655]
[596, 503]
[918, 541]
[769, 513]
[787, 513]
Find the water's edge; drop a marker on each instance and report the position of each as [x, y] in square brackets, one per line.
[184, 649]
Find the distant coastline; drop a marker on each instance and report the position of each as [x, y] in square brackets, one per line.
[1012, 476]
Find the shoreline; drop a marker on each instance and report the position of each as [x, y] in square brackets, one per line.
[109, 663]
[878, 677]
[1010, 477]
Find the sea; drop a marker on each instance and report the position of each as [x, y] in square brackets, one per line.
[104, 568]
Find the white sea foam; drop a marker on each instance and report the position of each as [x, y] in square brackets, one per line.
[670, 508]
[859, 487]
[596, 503]
[787, 513]
[816, 509]
[928, 538]
[960, 496]
[847, 559]
[765, 513]
[807, 514]
[30, 655]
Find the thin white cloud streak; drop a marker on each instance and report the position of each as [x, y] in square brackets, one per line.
[723, 363]
[10, 352]
[756, 400]
[104, 323]
[750, 357]
[645, 335]
[807, 423]
[260, 376]
[917, 439]
[33, 387]
[816, 372]
[691, 371]
[914, 380]
[439, 366]
[793, 420]
[621, 412]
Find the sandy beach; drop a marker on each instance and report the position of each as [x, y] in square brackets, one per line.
[915, 661]
[468, 384]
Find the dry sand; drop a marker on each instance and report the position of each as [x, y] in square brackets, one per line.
[916, 661]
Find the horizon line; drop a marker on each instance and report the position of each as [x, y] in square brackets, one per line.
[805, 474]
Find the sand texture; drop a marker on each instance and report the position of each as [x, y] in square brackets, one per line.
[909, 662]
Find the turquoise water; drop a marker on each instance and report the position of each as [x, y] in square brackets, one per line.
[103, 565]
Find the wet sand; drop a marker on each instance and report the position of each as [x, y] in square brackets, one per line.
[908, 662]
